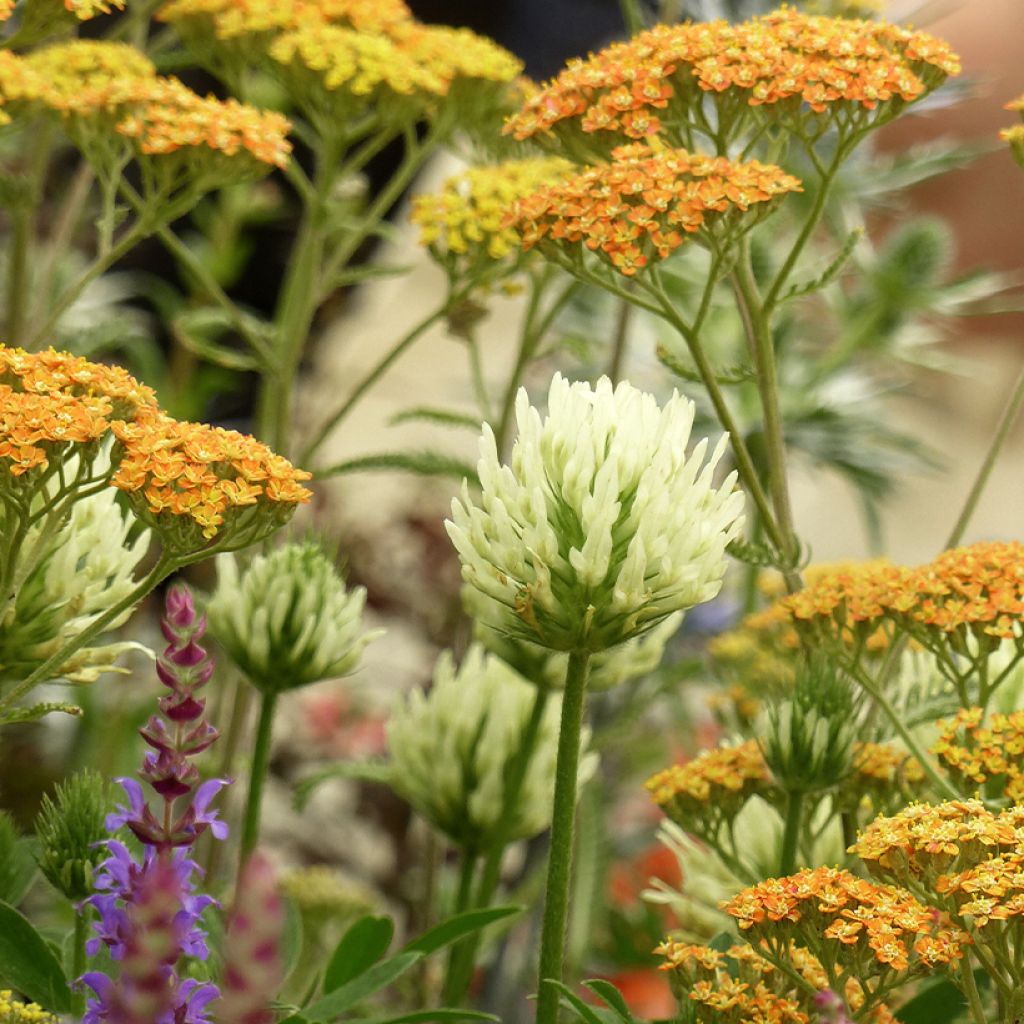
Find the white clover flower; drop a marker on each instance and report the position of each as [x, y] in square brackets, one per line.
[289, 619]
[602, 525]
[88, 567]
[451, 750]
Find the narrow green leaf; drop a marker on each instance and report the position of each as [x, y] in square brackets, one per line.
[14, 716]
[832, 271]
[612, 996]
[456, 927]
[28, 965]
[377, 977]
[432, 414]
[367, 272]
[584, 1012]
[292, 939]
[359, 949]
[424, 463]
[197, 330]
[427, 1016]
[363, 771]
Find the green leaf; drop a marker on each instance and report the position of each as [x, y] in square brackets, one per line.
[359, 949]
[292, 939]
[28, 965]
[427, 1016]
[458, 926]
[197, 330]
[831, 272]
[584, 1012]
[612, 996]
[937, 1004]
[739, 373]
[20, 873]
[377, 977]
[14, 716]
[362, 771]
[432, 414]
[424, 463]
[369, 271]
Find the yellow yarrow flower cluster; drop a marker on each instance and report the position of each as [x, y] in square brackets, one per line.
[1015, 135]
[12, 1011]
[231, 19]
[83, 10]
[465, 224]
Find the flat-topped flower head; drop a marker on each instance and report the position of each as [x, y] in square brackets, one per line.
[989, 895]
[193, 483]
[786, 66]
[465, 224]
[923, 841]
[710, 790]
[602, 525]
[869, 929]
[640, 207]
[984, 755]
[14, 1011]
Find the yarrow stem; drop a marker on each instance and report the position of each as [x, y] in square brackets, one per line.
[257, 777]
[791, 834]
[556, 895]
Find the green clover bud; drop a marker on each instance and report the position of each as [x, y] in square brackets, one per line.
[288, 620]
[452, 751]
[602, 525]
[808, 736]
[69, 826]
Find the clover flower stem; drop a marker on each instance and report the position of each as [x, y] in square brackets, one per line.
[556, 895]
[83, 917]
[620, 341]
[791, 833]
[874, 692]
[165, 565]
[483, 399]
[460, 967]
[534, 326]
[753, 313]
[371, 378]
[257, 777]
[741, 454]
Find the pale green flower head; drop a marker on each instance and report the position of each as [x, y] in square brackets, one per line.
[288, 620]
[451, 751]
[82, 570]
[603, 525]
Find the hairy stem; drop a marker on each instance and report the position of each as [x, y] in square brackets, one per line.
[257, 777]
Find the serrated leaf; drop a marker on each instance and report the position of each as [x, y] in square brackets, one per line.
[424, 463]
[13, 716]
[367, 272]
[359, 949]
[458, 926]
[736, 374]
[831, 272]
[377, 977]
[432, 414]
[362, 771]
[28, 965]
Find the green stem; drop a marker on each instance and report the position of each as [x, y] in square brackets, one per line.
[17, 271]
[165, 565]
[83, 915]
[456, 956]
[257, 777]
[460, 971]
[483, 399]
[1006, 421]
[791, 834]
[620, 340]
[556, 897]
[753, 313]
[371, 378]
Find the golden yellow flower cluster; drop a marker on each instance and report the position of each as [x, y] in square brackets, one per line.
[1015, 135]
[83, 10]
[97, 86]
[641, 206]
[468, 218]
[974, 753]
[886, 766]
[989, 894]
[753, 987]
[12, 1011]
[924, 841]
[655, 82]
[176, 474]
[869, 922]
[712, 787]
[230, 19]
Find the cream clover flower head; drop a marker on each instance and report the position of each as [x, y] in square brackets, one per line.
[602, 525]
[288, 620]
[451, 751]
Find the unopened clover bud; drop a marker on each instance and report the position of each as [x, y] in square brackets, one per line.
[253, 948]
[452, 751]
[602, 525]
[289, 620]
[808, 735]
[69, 827]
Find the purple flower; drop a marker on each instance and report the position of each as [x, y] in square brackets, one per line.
[149, 911]
[831, 1008]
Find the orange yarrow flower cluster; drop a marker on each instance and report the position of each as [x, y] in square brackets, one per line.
[990, 894]
[875, 927]
[975, 753]
[787, 61]
[642, 205]
[185, 479]
[50, 401]
[711, 788]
